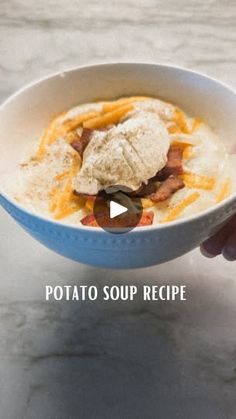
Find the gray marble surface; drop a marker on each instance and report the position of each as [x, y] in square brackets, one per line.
[114, 359]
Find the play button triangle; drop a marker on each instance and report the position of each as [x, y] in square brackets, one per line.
[116, 209]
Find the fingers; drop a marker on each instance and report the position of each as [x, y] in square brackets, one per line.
[221, 240]
[229, 249]
[206, 252]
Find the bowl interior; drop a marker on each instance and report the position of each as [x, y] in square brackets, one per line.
[25, 114]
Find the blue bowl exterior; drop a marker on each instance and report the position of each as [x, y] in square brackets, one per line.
[130, 250]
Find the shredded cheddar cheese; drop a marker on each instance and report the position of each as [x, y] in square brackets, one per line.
[196, 123]
[225, 191]
[181, 122]
[66, 212]
[53, 199]
[57, 129]
[48, 135]
[63, 202]
[62, 175]
[89, 204]
[113, 105]
[180, 207]
[174, 129]
[146, 203]
[192, 180]
[182, 144]
[72, 124]
[187, 152]
[108, 118]
[71, 136]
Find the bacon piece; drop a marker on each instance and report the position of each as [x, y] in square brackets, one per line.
[129, 220]
[89, 220]
[91, 198]
[173, 165]
[167, 188]
[81, 144]
[146, 219]
[145, 190]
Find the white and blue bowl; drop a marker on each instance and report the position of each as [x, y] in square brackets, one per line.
[25, 114]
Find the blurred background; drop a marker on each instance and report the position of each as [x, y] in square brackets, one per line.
[104, 359]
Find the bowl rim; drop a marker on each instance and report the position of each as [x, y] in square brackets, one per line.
[231, 200]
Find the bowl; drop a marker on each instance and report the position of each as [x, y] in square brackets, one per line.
[25, 114]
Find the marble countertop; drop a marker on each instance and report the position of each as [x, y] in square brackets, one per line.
[100, 359]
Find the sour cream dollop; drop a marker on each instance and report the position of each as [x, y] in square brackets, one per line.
[128, 154]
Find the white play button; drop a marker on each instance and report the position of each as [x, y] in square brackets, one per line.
[116, 209]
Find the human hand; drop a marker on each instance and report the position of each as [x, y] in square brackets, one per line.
[224, 241]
